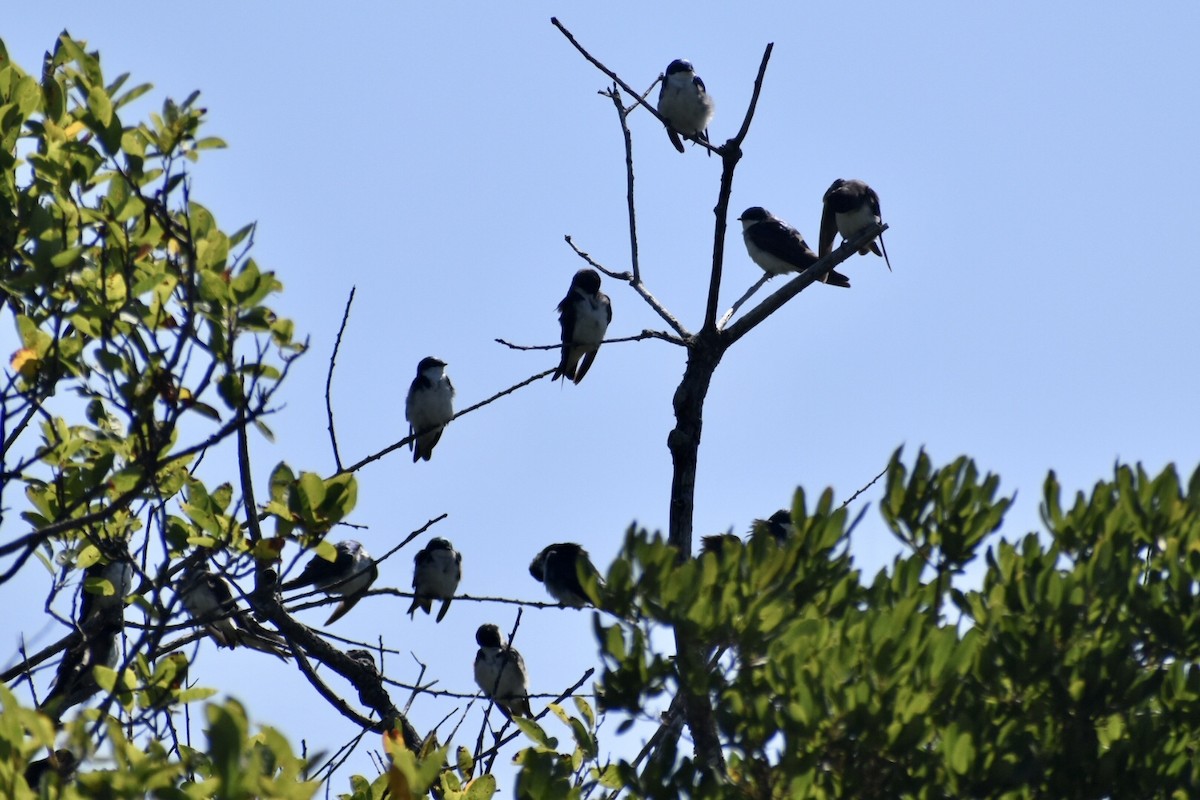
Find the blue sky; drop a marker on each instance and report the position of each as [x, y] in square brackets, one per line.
[1034, 162]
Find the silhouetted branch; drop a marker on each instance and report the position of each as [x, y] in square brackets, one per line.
[646, 334]
[615, 95]
[337, 458]
[854, 496]
[407, 439]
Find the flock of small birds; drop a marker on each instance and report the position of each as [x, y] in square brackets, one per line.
[850, 206]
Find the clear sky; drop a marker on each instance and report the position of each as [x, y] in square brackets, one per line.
[1034, 161]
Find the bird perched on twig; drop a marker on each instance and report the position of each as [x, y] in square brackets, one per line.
[96, 644]
[107, 582]
[684, 103]
[211, 601]
[850, 206]
[500, 672]
[437, 569]
[429, 406]
[778, 525]
[62, 763]
[558, 567]
[348, 576]
[584, 315]
[778, 247]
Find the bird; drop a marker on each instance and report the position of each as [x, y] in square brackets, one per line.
[95, 644]
[210, 600]
[429, 406]
[779, 525]
[717, 543]
[500, 672]
[584, 315]
[348, 576]
[850, 206]
[558, 567]
[684, 103]
[62, 763]
[437, 569]
[107, 582]
[778, 247]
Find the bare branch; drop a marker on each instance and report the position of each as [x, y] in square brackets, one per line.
[646, 334]
[615, 95]
[337, 458]
[741, 300]
[854, 496]
[376, 456]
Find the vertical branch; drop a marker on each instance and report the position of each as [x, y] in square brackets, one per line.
[337, 458]
[622, 115]
[731, 153]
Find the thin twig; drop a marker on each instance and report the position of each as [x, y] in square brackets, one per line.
[407, 439]
[337, 458]
[854, 496]
[615, 95]
[646, 334]
[741, 300]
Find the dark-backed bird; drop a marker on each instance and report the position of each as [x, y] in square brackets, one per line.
[437, 569]
[778, 247]
[348, 576]
[850, 206]
[429, 406]
[211, 601]
[584, 315]
[107, 582]
[500, 672]
[95, 645]
[684, 103]
[558, 567]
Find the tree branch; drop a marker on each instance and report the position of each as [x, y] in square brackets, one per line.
[731, 153]
[337, 458]
[646, 334]
[638, 287]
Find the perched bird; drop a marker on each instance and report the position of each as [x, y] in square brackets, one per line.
[437, 569]
[500, 672]
[717, 543]
[559, 567]
[430, 405]
[62, 763]
[584, 315]
[778, 525]
[96, 644]
[348, 576]
[211, 601]
[778, 247]
[107, 583]
[367, 661]
[850, 206]
[684, 104]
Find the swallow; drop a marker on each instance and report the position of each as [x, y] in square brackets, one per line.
[429, 406]
[850, 206]
[500, 672]
[96, 644]
[584, 315]
[107, 583]
[559, 567]
[437, 569]
[779, 525]
[684, 103]
[348, 576]
[211, 602]
[62, 763]
[778, 247]
[717, 543]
